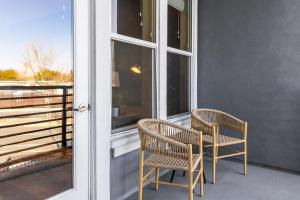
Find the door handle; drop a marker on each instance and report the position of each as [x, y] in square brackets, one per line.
[82, 108]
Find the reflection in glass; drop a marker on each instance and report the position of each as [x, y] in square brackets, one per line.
[178, 84]
[179, 24]
[131, 84]
[36, 95]
[134, 18]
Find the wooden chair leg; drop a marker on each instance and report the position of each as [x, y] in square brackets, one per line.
[201, 178]
[245, 158]
[190, 172]
[245, 147]
[157, 178]
[204, 178]
[217, 153]
[172, 176]
[214, 163]
[141, 175]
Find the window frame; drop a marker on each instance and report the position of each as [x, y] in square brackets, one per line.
[186, 54]
[160, 47]
[146, 44]
[142, 43]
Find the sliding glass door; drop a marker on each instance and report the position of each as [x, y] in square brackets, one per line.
[44, 72]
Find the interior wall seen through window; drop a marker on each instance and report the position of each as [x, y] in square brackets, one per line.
[131, 84]
[178, 84]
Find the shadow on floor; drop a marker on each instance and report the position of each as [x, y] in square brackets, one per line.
[259, 184]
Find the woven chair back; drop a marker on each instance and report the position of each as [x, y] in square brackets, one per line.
[156, 137]
[215, 117]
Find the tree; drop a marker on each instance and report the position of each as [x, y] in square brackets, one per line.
[46, 74]
[37, 63]
[8, 75]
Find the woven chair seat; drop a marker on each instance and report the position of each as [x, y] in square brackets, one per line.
[168, 162]
[222, 140]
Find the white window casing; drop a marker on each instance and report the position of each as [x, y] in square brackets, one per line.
[126, 141]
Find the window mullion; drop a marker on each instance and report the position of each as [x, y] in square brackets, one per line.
[178, 51]
[131, 40]
[162, 69]
[194, 64]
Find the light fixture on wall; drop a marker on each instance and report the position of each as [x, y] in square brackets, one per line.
[136, 69]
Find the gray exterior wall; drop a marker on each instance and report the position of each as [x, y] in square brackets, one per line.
[124, 175]
[249, 66]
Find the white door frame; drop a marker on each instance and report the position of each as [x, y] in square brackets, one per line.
[80, 190]
[103, 97]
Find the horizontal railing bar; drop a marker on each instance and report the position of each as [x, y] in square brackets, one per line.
[33, 131]
[34, 97]
[30, 123]
[49, 87]
[30, 148]
[33, 139]
[36, 105]
[31, 157]
[36, 113]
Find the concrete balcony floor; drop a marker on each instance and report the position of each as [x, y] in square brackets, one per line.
[260, 184]
[39, 185]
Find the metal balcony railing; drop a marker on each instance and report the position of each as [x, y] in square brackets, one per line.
[35, 123]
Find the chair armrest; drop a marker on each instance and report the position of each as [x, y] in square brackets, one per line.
[200, 124]
[233, 123]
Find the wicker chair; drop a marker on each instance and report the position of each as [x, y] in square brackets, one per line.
[209, 121]
[165, 142]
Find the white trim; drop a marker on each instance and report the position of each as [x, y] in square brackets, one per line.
[131, 40]
[93, 103]
[126, 148]
[194, 61]
[127, 138]
[179, 51]
[124, 133]
[180, 118]
[130, 141]
[162, 68]
[103, 97]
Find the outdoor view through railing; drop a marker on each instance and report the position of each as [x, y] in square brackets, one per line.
[34, 120]
[36, 97]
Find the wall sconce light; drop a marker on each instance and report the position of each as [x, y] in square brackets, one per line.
[136, 69]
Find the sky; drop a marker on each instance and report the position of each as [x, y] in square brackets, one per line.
[44, 22]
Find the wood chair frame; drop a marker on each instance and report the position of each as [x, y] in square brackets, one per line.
[209, 122]
[165, 142]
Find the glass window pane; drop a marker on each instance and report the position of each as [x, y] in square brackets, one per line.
[134, 18]
[178, 84]
[36, 95]
[131, 83]
[179, 24]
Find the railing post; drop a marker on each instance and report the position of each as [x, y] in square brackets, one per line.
[64, 118]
